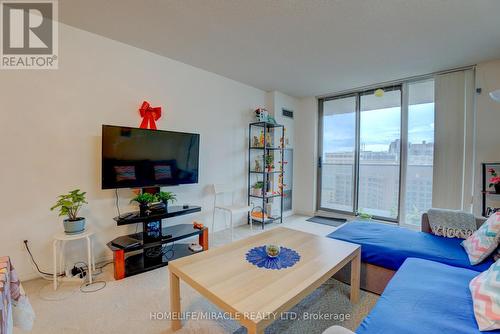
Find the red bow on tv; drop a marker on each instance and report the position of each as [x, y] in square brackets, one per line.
[149, 115]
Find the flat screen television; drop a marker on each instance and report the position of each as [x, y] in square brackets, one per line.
[139, 158]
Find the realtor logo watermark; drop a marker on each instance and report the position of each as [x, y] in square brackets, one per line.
[29, 36]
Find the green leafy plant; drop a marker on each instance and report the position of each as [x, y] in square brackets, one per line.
[144, 198]
[70, 204]
[258, 185]
[364, 215]
[167, 196]
[269, 160]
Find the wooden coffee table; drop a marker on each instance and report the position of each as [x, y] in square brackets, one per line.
[256, 296]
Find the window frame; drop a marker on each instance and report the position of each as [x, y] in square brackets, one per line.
[403, 86]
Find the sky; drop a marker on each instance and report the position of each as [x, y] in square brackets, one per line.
[378, 128]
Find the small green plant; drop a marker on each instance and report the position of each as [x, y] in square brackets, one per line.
[258, 185]
[144, 198]
[70, 204]
[364, 215]
[269, 160]
[167, 196]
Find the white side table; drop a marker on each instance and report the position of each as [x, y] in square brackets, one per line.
[60, 240]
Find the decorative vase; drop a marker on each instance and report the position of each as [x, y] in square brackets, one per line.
[74, 226]
[143, 208]
[497, 188]
[165, 205]
[273, 250]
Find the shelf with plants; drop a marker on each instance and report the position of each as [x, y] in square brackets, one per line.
[266, 148]
[265, 196]
[265, 171]
[490, 188]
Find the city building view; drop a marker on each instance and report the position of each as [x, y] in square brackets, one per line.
[379, 181]
[374, 123]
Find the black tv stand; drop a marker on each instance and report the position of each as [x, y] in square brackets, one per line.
[149, 247]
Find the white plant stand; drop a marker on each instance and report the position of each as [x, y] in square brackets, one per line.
[60, 240]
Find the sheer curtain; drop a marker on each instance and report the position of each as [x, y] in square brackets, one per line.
[454, 140]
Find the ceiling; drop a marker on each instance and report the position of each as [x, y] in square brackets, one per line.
[301, 47]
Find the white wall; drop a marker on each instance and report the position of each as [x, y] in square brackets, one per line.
[276, 101]
[488, 123]
[50, 132]
[306, 156]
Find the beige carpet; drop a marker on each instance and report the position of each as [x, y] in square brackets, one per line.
[126, 306]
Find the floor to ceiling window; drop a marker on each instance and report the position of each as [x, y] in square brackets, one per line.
[379, 153]
[376, 152]
[420, 151]
[337, 174]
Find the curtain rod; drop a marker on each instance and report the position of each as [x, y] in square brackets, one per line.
[395, 82]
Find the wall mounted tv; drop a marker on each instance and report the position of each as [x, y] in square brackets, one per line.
[139, 158]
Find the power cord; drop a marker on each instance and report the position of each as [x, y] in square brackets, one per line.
[99, 267]
[116, 202]
[36, 264]
[46, 293]
[84, 285]
[83, 274]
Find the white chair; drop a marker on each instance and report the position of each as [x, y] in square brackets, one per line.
[221, 190]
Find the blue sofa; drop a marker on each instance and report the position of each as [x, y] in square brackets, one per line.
[385, 247]
[424, 297]
[389, 246]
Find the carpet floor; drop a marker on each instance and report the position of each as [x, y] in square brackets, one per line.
[138, 304]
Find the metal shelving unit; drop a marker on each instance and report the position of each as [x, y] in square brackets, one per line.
[266, 147]
[488, 194]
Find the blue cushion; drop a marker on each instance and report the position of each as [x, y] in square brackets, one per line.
[388, 246]
[424, 297]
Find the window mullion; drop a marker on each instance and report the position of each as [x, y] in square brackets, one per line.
[403, 154]
[357, 153]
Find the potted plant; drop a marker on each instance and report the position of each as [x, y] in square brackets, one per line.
[269, 162]
[495, 180]
[69, 205]
[363, 215]
[257, 188]
[144, 199]
[166, 196]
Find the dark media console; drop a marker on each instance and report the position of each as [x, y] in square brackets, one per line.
[148, 249]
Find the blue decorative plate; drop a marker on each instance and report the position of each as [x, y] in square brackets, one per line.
[286, 258]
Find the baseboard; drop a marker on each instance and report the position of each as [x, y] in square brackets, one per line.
[303, 213]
